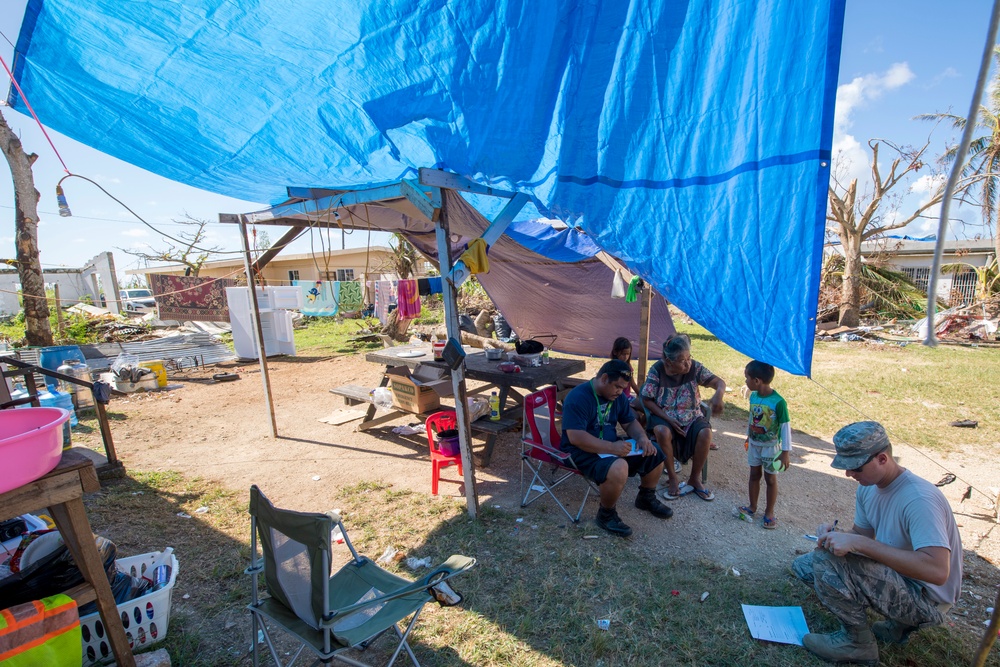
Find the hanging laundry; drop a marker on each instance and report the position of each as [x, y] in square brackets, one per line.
[351, 297]
[185, 298]
[475, 257]
[633, 289]
[435, 284]
[385, 298]
[424, 286]
[409, 299]
[319, 297]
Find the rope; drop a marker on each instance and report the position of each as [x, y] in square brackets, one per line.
[186, 289]
[963, 149]
[33, 114]
[932, 460]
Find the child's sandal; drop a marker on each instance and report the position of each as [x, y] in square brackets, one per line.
[771, 523]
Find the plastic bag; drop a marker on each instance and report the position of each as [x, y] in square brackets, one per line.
[618, 286]
[382, 398]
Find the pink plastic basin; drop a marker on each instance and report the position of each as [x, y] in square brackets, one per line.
[30, 444]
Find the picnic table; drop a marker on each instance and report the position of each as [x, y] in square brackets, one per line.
[513, 386]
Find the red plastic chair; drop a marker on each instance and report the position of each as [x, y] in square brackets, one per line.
[540, 449]
[437, 422]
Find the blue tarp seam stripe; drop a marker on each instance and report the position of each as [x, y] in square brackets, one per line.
[754, 165]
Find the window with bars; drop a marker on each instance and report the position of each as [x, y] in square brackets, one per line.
[963, 286]
[921, 276]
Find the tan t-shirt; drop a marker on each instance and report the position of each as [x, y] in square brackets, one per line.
[911, 513]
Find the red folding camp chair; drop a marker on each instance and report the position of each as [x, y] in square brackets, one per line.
[540, 450]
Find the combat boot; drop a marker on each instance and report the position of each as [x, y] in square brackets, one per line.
[892, 632]
[854, 644]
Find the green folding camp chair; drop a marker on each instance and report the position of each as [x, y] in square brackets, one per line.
[331, 615]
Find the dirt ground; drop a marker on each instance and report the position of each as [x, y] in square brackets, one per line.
[220, 432]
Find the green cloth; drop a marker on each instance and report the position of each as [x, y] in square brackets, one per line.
[350, 296]
[633, 289]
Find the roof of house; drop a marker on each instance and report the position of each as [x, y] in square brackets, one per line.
[901, 247]
[280, 259]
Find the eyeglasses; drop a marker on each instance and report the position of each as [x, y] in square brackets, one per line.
[871, 458]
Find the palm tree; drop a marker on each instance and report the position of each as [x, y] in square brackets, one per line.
[984, 152]
[987, 276]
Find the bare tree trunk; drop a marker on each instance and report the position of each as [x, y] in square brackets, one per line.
[850, 296]
[38, 331]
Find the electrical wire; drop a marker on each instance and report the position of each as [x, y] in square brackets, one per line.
[33, 114]
[934, 461]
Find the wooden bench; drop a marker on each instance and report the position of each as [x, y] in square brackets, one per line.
[510, 419]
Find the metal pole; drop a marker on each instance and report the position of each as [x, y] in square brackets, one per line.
[457, 376]
[258, 332]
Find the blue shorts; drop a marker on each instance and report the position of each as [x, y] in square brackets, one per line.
[684, 443]
[595, 467]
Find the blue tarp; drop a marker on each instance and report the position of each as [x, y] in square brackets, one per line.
[690, 138]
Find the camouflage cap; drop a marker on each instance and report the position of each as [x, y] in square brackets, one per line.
[858, 442]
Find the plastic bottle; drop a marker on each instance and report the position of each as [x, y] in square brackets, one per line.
[741, 515]
[545, 357]
[494, 407]
[158, 574]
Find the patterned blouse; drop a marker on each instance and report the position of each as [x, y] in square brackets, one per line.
[678, 396]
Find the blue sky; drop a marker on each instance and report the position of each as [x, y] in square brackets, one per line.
[899, 59]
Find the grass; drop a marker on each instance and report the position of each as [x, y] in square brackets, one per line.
[536, 593]
[533, 599]
[915, 391]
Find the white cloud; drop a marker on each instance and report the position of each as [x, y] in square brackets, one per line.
[928, 184]
[137, 233]
[850, 158]
[947, 73]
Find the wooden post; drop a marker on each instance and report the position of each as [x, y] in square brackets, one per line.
[991, 635]
[60, 326]
[258, 331]
[647, 299]
[457, 375]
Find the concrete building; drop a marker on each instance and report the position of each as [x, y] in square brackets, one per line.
[914, 259]
[96, 279]
[351, 264]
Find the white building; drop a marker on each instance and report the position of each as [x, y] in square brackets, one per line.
[914, 259]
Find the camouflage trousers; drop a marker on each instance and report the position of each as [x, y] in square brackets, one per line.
[848, 585]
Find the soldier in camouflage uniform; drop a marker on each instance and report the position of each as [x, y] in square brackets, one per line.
[902, 557]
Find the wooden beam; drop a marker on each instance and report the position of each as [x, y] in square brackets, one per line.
[412, 191]
[258, 330]
[449, 181]
[442, 233]
[273, 251]
[647, 299]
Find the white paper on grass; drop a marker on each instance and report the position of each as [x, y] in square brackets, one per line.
[785, 625]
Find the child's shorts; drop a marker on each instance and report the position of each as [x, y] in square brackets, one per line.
[765, 457]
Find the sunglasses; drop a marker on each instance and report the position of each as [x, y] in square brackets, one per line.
[871, 458]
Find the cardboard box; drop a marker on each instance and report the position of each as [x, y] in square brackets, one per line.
[420, 390]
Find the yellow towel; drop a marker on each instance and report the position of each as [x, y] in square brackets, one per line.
[475, 257]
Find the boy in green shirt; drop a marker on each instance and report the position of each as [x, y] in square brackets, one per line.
[769, 439]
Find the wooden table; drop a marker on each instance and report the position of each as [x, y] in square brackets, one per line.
[477, 367]
[61, 491]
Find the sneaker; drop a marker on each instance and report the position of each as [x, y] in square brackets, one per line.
[677, 466]
[611, 522]
[647, 501]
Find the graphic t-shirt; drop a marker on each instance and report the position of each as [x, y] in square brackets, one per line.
[767, 414]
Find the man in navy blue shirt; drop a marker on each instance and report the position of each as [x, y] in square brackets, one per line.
[591, 413]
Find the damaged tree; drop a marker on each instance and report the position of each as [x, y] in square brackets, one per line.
[856, 218]
[37, 330]
[185, 250]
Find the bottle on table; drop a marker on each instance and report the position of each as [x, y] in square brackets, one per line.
[494, 407]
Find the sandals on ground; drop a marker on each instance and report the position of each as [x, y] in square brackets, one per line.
[771, 523]
[704, 494]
